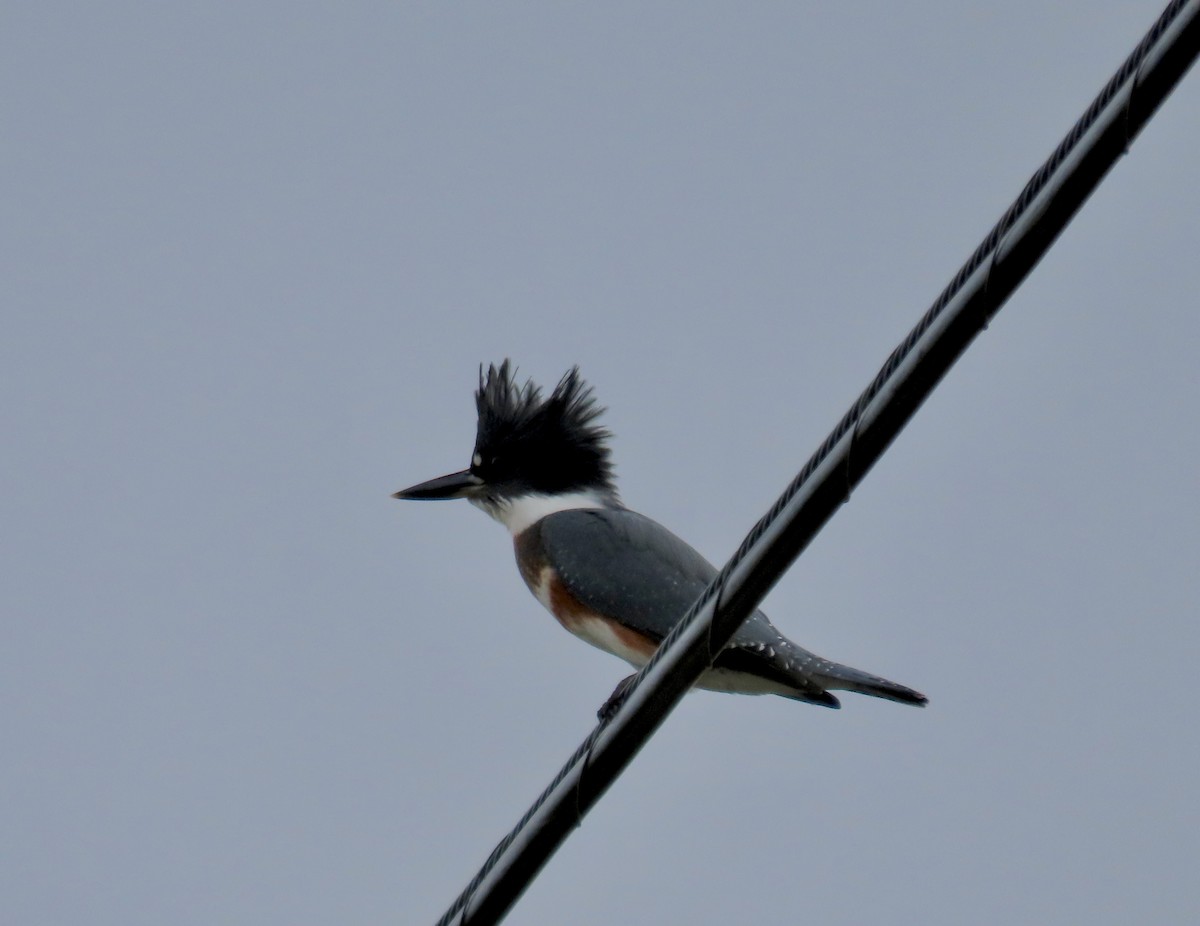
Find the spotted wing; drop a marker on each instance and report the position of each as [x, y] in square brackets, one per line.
[629, 568]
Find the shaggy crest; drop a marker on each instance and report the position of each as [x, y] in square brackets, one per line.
[541, 445]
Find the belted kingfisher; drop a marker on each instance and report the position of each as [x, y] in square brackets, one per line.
[611, 576]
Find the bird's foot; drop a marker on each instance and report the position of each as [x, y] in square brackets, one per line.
[616, 699]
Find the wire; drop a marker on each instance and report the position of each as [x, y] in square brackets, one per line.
[1001, 262]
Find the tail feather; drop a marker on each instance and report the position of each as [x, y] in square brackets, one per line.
[844, 678]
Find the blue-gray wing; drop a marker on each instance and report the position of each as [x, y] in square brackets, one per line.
[633, 570]
[625, 566]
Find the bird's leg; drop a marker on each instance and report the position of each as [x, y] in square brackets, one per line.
[616, 699]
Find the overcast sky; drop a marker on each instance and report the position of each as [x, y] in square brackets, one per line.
[253, 256]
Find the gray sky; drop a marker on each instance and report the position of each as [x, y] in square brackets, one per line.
[254, 254]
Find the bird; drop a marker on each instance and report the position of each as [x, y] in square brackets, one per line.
[613, 577]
